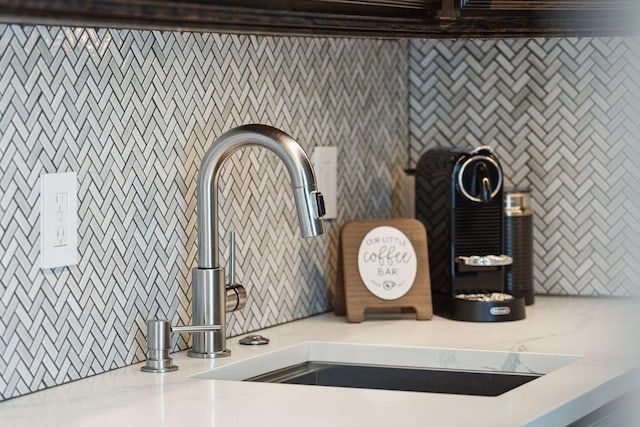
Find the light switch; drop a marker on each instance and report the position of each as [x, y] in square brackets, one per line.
[58, 220]
[325, 164]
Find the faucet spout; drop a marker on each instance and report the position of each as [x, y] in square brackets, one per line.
[309, 201]
[209, 290]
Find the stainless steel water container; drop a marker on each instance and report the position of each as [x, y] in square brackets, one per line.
[518, 225]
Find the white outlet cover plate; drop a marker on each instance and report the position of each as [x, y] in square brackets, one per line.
[325, 163]
[58, 220]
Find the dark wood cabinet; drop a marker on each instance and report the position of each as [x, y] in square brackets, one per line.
[378, 18]
[351, 18]
[541, 17]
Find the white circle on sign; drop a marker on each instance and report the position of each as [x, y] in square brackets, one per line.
[387, 262]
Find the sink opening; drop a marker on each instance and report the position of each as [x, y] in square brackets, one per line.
[450, 381]
[415, 369]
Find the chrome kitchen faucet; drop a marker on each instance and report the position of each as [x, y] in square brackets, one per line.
[211, 297]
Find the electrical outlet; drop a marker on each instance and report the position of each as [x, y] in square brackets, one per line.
[325, 163]
[58, 220]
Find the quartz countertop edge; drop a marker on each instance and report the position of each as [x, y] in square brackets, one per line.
[600, 335]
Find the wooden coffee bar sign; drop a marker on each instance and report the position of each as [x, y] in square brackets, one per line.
[385, 265]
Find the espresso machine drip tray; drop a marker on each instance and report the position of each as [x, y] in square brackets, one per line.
[485, 297]
[481, 306]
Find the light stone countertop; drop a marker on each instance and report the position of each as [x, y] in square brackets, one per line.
[600, 335]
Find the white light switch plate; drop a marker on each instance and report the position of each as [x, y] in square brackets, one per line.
[58, 220]
[325, 163]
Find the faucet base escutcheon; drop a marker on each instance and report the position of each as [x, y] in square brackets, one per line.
[223, 353]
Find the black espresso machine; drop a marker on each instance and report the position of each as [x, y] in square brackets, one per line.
[459, 199]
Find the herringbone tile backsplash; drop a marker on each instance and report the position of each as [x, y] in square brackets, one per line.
[564, 118]
[133, 112]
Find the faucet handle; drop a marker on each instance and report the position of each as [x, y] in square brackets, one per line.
[232, 258]
[235, 293]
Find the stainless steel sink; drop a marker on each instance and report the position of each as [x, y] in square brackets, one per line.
[417, 369]
[475, 383]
